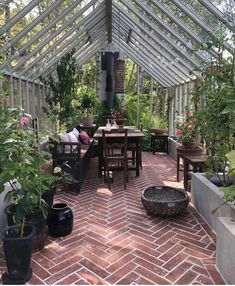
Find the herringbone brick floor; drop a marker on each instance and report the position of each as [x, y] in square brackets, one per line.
[114, 241]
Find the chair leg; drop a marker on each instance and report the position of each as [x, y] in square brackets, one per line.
[140, 156]
[108, 177]
[125, 176]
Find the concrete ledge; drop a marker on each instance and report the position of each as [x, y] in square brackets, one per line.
[172, 145]
[206, 197]
[225, 250]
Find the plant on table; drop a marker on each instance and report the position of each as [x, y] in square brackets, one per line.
[187, 127]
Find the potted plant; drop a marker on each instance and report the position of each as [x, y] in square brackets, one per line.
[187, 129]
[217, 127]
[88, 103]
[119, 114]
[20, 168]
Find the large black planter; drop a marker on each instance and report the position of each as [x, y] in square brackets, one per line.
[18, 252]
[60, 220]
[37, 220]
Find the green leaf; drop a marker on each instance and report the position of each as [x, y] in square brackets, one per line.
[229, 193]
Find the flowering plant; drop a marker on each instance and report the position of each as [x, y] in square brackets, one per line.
[20, 161]
[187, 127]
[119, 113]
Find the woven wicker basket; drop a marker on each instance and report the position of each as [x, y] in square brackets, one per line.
[164, 200]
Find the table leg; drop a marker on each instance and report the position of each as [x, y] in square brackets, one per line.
[137, 157]
[100, 157]
[177, 168]
[186, 165]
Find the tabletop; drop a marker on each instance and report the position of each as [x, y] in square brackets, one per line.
[131, 132]
[196, 158]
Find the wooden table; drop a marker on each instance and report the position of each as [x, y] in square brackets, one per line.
[159, 137]
[134, 135]
[198, 162]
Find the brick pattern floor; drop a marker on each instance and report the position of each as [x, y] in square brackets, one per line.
[114, 241]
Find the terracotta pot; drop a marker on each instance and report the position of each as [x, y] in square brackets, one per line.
[88, 121]
[188, 145]
[159, 130]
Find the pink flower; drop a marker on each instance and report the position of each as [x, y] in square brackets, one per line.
[179, 132]
[190, 127]
[185, 122]
[24, 121]
[195, 121]
[187, 113]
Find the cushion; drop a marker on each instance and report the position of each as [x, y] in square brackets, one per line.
[84, 137]
[76, 133]
[67, 137]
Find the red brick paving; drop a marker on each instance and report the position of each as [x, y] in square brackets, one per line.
[114, 241]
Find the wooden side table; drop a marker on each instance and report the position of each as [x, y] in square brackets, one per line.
[182, 151]
[198, 162]
[159, 137]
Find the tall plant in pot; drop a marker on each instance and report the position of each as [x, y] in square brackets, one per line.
[88, 101]
[20, 167]
[217, 116]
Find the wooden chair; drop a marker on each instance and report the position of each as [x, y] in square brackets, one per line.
[132, 148]
[115, 153]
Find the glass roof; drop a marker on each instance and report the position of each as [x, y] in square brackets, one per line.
[168, 39]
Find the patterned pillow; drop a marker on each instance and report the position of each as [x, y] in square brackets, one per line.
[67, 137]
[76, 133]
[84, 137]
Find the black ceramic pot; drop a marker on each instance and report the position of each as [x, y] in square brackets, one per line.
[60, 220]
[18, 252]
[36, 219]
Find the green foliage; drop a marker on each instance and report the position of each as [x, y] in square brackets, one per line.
[88, 100]
[147, 119]
[217, 116]
[20, 164]
[63, 101]
[229, 193]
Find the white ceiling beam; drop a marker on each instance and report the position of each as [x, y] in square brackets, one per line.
[109, 19]
[168, 28]
[180, 24]
[176, 69]
[52, 63]
[146, 59]
[18, 16]
[85, 21]
[157, 41]
[149, 55]
[217, 13]
[161, 34]
[45, 29]
[197, 20]
[136, 59]
[31, 25]
[93, 50]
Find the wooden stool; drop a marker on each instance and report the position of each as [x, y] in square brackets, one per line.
[182, 151]
[160, 137]
[198, 163]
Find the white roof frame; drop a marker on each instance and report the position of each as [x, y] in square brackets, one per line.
[152, 45]
[85, 22]
[144, 36]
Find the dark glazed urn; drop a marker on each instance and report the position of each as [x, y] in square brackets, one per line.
[60, 220]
